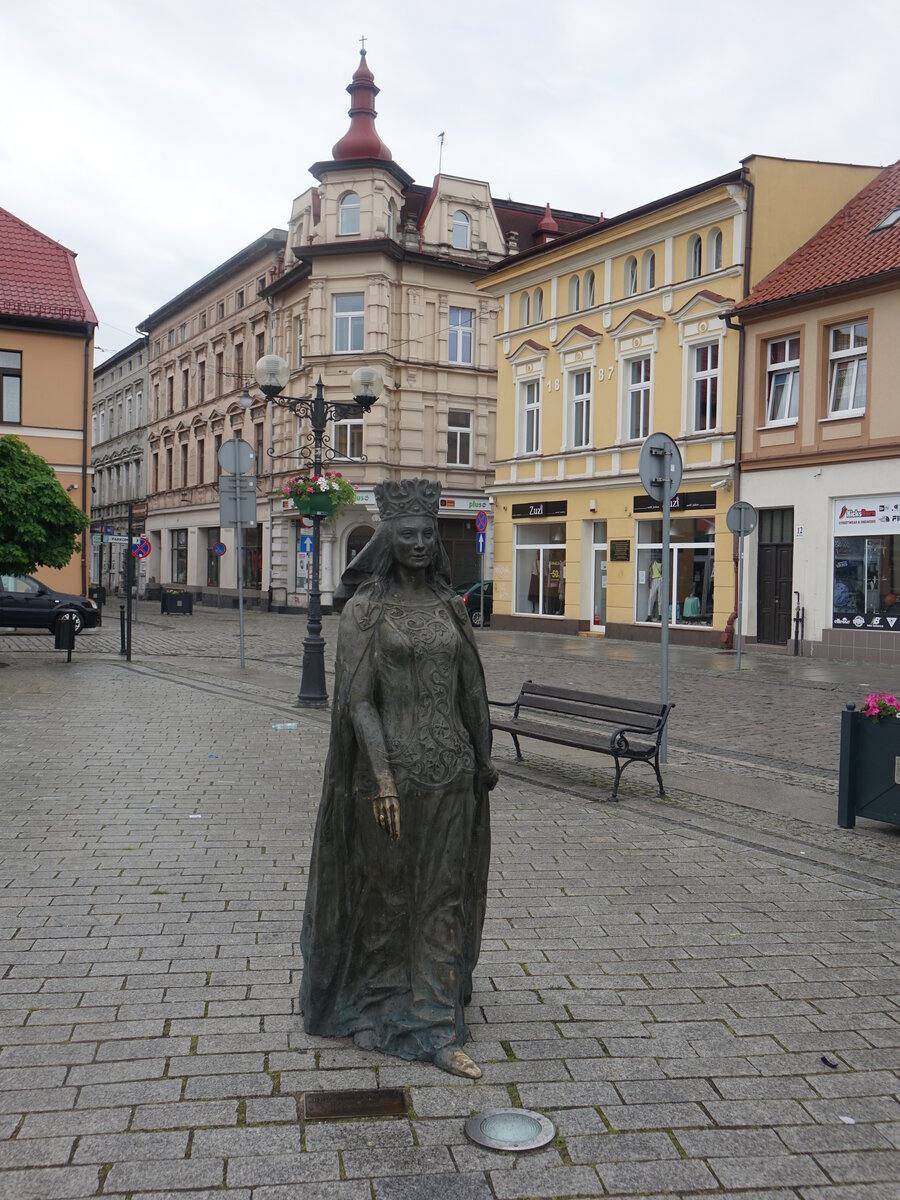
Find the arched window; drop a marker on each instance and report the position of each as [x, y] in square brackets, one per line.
[714, 250]
[356, 541]
[391, 219]
[574, 294]
[524, 309]
[631, 275]
[694, 256]
[648, 271]
[462, 230]
[538, 304]
[589, 290]
[348, 213]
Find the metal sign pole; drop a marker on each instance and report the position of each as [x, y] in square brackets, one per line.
[666, 589]
[240, 567]
[740, 597]
[129, 565]
[481, 589]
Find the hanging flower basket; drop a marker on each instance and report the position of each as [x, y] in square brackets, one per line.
[322, 495]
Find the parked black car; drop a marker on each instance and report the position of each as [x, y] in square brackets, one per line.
[471, 598]
[27, 604]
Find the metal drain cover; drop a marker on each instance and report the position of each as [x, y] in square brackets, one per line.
[512, 1129]
[368, 1102]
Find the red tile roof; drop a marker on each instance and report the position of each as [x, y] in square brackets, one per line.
[848, 250]
[38, 277]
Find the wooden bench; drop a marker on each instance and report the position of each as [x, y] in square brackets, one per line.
[627, 730]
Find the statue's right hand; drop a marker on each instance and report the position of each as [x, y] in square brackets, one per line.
[387, 814]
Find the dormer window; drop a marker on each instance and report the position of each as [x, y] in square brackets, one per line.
[462, 231]
[348, 214]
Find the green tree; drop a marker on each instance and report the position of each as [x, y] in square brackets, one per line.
[39, 524]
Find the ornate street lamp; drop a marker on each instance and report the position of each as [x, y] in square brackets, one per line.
[367, 384]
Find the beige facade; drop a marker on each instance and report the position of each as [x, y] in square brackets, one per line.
[607, 336]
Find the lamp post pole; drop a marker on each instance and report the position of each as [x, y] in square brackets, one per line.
[313, 693]
[272, 374]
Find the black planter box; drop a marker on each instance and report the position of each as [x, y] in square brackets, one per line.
[869, 783]
[172, 603]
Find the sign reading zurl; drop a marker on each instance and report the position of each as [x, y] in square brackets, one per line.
[540, 508]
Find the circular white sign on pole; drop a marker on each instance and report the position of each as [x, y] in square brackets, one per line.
[741, 518]
[658, 454]
[236, 456]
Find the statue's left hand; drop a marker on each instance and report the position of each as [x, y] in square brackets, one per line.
[487, 776]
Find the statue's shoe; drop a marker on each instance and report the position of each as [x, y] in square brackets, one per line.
[456, 1062]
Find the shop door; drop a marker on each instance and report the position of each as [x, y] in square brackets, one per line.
[459, 542]
[775, 576]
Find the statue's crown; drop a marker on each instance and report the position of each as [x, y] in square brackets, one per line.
[409, 497]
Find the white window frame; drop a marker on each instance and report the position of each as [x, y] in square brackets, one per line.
[712, 376]
[634, 388]
[714, 249]
[694, 256]
[574, 294]
[631, 275]
[589, 290]
[344, 434]
[856, 354]
[298, 341]
[349, 215]
[524, 310]
[530, 416]
[459, 438]
[391, 219]
[787, 367]
[580, 403]
[349, 325]
[462, 230]
[461, 336]
[648, 271]
[538, 304]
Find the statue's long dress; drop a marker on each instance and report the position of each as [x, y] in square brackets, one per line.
[392, 929]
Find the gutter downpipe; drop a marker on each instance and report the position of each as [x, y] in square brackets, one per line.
[739, 415]
[85, 426]
[271, 408]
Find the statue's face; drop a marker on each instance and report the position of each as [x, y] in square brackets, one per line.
[413, 541]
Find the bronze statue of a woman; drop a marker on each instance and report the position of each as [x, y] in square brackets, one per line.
[398, 877]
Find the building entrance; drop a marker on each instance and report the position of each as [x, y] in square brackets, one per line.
[775, 576]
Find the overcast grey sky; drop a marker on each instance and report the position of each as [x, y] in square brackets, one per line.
[156, 139]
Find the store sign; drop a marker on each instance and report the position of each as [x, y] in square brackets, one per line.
[862, 514]
[683, 502]
[869, 620]
[540, 508]
[463, 503]
[620, 550]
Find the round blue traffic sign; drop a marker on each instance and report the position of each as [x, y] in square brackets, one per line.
[481, 520]
[219, 549]
[141, 548]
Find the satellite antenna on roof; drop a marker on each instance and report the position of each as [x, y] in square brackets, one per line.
[440, 151]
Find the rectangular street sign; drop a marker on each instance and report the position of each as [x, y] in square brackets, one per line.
[479, 543]
[116, 539]
[229, 516]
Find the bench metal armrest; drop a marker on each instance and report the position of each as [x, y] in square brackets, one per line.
[503, 703]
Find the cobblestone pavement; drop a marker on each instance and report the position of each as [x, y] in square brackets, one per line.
[705, 1004]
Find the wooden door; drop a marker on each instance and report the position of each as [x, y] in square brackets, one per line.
[775, 576]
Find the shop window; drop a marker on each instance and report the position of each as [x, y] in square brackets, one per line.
[866, 565]
[348, 214]
[251, 554]
[540, 586]
[212, 560]
[848, 347]
[598, 600]
[179, 552]
[459, 439]
[357, 539]
[580, 407]
[705, 386]
[782, 380]
[691, 563]
[11, 387]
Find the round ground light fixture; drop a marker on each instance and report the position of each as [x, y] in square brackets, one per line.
[510, 1129]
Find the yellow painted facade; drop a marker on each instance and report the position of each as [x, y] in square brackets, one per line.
[604, 337]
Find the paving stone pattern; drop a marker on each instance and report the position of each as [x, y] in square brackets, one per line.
[671, 996]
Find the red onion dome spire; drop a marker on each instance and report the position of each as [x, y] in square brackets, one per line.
[361, 140]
